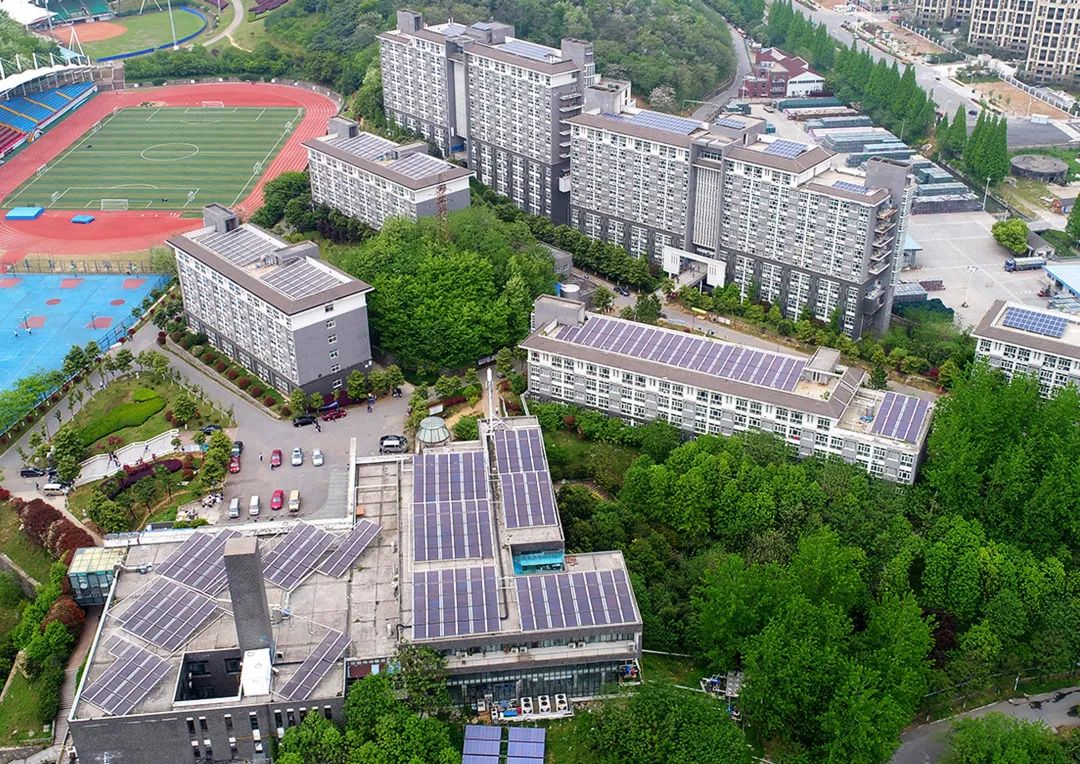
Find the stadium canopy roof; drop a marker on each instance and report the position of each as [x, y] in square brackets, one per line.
[24, 12]
[14, 80]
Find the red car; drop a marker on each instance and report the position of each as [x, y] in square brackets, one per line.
[277, 501]
[234, 464]
[275, 458]
[329, 416]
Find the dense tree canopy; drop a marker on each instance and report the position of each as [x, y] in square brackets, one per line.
[999, 739]
[15, 40]
[444, 302]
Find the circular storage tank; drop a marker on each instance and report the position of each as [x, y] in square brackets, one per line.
[1039, 167]
[571, 291]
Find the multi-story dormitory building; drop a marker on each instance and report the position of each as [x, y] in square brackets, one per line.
[213, 643]
[703, 386]
[1044, 34]
[1018, 339]
[501, 100]
[373, 179]
[273, 307]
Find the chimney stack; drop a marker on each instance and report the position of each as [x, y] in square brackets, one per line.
[251, 612]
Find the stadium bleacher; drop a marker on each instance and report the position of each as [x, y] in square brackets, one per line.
[21, 115]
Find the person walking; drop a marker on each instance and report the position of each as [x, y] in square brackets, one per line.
[37, 487]
[260, 456]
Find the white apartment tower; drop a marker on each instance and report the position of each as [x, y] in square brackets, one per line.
[503, 101]
[373, 179]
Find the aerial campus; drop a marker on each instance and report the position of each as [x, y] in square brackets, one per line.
[675, 382]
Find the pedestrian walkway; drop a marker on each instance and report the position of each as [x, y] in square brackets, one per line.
[101, 466]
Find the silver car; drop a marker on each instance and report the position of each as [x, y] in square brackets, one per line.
[297, 456]
[317, 457]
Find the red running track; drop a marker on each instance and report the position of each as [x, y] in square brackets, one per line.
[132, 231]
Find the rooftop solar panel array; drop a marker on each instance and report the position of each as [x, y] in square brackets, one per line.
[654, 119]
[455, 602]
[168, 614]
[854, 188]
[786, 149]
[127, 680]
[199, 562]
[482, 732]
[521, 750]
[296, 555]
[317, 665]
[732, 122]
[527, 495]
[365, 146]
[901, 417]
[241, 246]
[419, 166]
[572, 600]
[302, 278]
[451, 507]
[684, 351]
[528, 734]
[350, 549]
[531, 50]
[1034, 322]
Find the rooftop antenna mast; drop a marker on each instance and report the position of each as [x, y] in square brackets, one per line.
[495, 422]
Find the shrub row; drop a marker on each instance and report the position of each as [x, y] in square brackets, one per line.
[125, 415]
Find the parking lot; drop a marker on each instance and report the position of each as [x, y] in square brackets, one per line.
[323, 490]
[959, 251]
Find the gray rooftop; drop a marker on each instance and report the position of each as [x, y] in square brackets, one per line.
[992, 326]
[413, 169]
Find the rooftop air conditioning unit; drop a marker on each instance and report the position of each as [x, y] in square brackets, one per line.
[524, 650]
[461, 654]
[515, 649]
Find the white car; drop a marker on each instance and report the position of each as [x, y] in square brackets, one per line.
[317, 457]
[297, 456]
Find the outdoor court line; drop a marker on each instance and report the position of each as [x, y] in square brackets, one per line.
[262, 164]
[62, 157]
[153, 115]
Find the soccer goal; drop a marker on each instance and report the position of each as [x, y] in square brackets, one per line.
[213, 104]
[114, 205]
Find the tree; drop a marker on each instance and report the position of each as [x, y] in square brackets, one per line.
[163, 261]
[68, 451]
[421, 676]
[75, 361]
[948, 373]
[879, 377]
[108, 514]
[315, 401]
[1000, 739]
[602, 299]
[447, 386]
[957, 136]
[184, 407]
[662, 97]
[1011, 234]
[647, 309]
[504, 361]
[1072, 226]
[122, 360]
[298, 399]
[355, 385]
[316, 740]
[658, 439]
[394, 376]
[276, 195]
[467, 428]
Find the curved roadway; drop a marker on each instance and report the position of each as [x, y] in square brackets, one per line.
[238, 19]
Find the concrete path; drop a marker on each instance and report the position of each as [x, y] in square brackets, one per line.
[238, 18]
[98, 467]
[927, 744]
[708, 110]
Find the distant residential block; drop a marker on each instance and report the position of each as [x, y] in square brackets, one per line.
[777, 75]
[1019, 339]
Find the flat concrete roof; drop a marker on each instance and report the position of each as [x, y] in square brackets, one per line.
[992, 327]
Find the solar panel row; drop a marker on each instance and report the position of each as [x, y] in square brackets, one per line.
[127, 680]
[168, 614]
[296, 555]
[575, 599]
[685, 351]
[451, 507]
[199, 562]
[525, 483]
[900, 417]
[786, 149]
[352, 546]
[855, 188]
[315, 666]
[528, 734]
[1035, 322]
[448, 603]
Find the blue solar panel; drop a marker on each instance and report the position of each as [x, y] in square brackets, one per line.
[528, 750]
[451, 507]
[573, 600]
[732, 122]
[527, 495]
[855, 188]
[901, 417]
[483, 732]
[1034, 322]
[528, 734]
[482, 747]
[523, 760]
[476, 758]
[657, 121]
[455, 602]
[531, 50]
[787, 149]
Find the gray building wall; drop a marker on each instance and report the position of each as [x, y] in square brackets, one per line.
[313, 360]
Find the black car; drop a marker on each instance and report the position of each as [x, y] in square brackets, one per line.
[32, 472]
[210, 429]
[237, 448]
[303, 420]
[622, 291]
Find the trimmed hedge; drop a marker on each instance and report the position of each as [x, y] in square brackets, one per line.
[125, 415]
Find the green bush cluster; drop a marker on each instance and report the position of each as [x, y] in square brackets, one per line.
[125, 415]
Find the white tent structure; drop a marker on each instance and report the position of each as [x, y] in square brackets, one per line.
[24, 12]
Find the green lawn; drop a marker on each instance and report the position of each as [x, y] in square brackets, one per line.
[121, 391]
[18, 712]
[671, 669]
[27, 555]
[147, 30]
[163, 159]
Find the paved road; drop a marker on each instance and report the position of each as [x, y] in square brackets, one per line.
[927, 743]
[237, 20]
[707, 111]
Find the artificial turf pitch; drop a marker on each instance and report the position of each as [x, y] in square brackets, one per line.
[162, 159]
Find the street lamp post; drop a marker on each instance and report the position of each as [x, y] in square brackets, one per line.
[986, 192]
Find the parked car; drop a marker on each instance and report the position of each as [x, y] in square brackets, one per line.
[393, 444]
[275, 458]
[32, 472]
[297, 456]
[303, 420]
[234, 464]
[277, 500]
[621, 290]
[333, 414]
[253, 506]
[238, 448]
[234, 508]
[317, 457]
[210, 429]
[294, 500]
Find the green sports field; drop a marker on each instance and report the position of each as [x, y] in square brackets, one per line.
[162, 159]
[147, 30]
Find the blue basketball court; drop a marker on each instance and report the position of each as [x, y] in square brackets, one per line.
[43, 315]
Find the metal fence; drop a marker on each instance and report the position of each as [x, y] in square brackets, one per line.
[115, 266]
